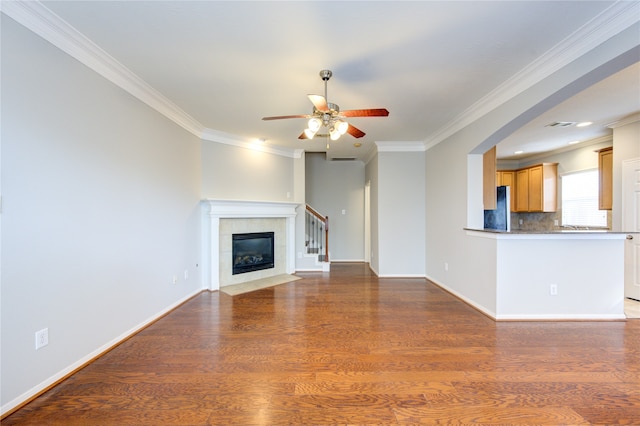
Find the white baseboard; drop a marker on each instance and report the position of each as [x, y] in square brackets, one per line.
[34, 391]
[466, 300]
[561, 317]
[529, 317]
[401, 276]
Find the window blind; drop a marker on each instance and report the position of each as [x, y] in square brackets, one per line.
[580, 200]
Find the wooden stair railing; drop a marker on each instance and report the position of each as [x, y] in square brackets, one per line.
[317, 234]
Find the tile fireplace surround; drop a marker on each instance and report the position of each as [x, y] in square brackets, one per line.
[238, 217]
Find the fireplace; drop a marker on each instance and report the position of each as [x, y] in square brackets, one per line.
[252, 252]
[223, 218]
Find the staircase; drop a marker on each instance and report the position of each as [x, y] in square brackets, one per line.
[316, 231]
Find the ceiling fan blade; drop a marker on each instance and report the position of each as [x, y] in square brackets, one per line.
[372, 112]
[319, 102]
[355, 132]
[302, 136]
[280, 117]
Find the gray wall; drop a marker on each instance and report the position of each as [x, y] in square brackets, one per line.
[100, 210]
[401, 213]
[334, 186]
[234, 173]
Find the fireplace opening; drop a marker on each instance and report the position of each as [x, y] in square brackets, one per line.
[252, 252]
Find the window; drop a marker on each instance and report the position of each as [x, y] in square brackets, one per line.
[580, 200]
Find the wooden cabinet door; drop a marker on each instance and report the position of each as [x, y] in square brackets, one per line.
[522, 190]
[508, 178]
[535, 189]
[489, 198]
[605, 172]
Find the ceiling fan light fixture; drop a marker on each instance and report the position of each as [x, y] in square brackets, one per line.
[334, 134]
[314, 124]
[310, 133]
[342, 126]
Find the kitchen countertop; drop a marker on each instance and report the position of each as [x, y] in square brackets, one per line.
[559, 233]
[553, 231]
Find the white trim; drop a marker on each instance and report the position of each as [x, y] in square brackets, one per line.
[561, 317]
[620, 16]
[400, 146]
[462, 297]
[626, 120]
[229, 139]
[401, 276]
[43, 22]
[34, 391]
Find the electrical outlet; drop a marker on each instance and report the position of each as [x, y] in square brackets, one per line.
[446, 266]
[186, 274]
[175, 279]
[42, 338]
[553, 289]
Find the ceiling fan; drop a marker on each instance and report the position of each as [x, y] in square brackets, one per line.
[329, 115]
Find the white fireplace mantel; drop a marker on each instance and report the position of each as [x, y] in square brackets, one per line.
[214, 210]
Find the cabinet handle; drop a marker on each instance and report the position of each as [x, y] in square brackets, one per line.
[629, 237]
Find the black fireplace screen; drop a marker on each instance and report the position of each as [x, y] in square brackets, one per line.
[252, 252]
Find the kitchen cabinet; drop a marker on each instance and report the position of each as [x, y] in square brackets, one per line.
[537, 188]
[508, 178]
[522, 190]
[489, 198]
[605, 174]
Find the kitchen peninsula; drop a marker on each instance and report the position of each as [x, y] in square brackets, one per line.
[557, 275]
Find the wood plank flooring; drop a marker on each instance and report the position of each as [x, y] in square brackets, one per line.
[346, 347]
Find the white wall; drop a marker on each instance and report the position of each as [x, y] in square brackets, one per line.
[334, 186]
[235, 173]
[588, 271]
[401, 213]
[371, 176]
[626, 146]
[100, 210]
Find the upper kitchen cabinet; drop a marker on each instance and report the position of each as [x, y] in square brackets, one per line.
[537, 188]
[508, 178]
[489, 198]
[605, 172]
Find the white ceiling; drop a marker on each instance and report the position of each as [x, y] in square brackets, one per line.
[227, 64]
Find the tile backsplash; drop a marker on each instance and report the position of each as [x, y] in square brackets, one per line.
[542, 221]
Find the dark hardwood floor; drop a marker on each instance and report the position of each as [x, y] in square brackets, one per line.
[350, 348]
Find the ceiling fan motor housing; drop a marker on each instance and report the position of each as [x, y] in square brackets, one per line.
[325, 74]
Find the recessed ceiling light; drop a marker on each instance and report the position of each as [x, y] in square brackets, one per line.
[573, 142]
[518, 152]
[584, 124]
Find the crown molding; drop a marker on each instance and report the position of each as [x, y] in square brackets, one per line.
[626, 120]
[43, 22]
[39, 19]
[615, 19]
[400, 146]
[229, 139]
